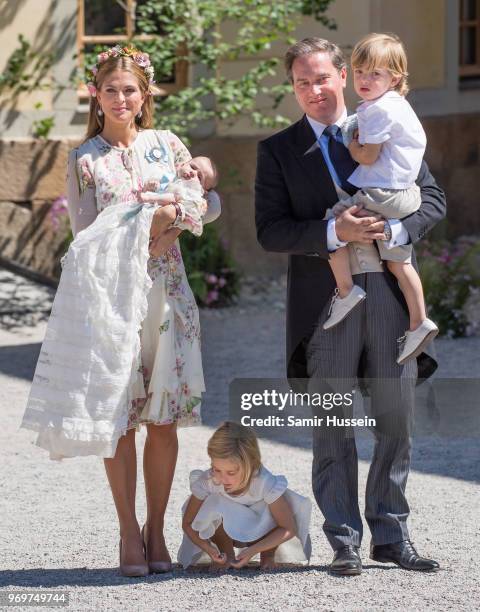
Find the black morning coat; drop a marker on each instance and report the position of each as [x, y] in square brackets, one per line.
[292, 194]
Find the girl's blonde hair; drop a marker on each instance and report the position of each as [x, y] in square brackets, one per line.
[95, 123]
[383, 51]
[237, 443]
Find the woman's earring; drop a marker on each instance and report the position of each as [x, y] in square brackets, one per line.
[99, 112]
[139, 114]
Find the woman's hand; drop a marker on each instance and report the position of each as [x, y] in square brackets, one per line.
[162, 219]
[156, 198]
[160, 245]
[162, 235]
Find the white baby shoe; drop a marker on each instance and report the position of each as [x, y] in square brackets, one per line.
[340, 307]
[413, 342]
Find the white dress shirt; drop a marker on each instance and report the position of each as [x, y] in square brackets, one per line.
[390, 121]
[399, 233]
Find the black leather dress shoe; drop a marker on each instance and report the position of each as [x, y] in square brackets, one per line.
[404, 555]
[346, 562]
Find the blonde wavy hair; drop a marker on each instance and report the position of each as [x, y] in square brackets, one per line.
[95, 123]
[383, 51]
[239, 444]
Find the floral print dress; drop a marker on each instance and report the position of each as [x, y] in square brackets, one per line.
[166, 382]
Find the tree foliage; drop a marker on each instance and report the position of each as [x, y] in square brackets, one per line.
[207, 33]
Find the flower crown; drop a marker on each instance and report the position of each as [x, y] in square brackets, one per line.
[141, 59]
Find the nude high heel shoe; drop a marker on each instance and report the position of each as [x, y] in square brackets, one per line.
[156, 567]
[131, 570]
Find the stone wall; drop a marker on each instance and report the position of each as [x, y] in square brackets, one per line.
[453, 154]
[32, 175]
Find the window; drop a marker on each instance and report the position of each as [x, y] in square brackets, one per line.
[469, 37]
[107, 22]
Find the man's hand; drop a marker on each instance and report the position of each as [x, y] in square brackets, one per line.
[356, 224]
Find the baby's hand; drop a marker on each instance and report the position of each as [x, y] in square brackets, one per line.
[152, 185]
[186, 172]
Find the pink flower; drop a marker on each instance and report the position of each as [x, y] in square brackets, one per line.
[211, 279]
[94, 70]
[142, 59]
[92, 90]
[102, 57]
[57, 209]
[212, 296]
[222, 282]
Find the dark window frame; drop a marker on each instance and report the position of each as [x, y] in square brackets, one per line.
[83, 39]
[471, 70]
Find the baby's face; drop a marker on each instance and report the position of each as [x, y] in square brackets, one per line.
[201, 168]
[228, 473]
[370, 85]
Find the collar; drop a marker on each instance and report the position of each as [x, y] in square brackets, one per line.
[388, 95]
[318, 127]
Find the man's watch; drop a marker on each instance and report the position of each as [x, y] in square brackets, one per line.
[387, 230]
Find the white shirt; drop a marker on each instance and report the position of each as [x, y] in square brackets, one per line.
[264, 486]
[391, 122]
[399, 233]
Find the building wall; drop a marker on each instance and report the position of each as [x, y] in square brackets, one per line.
[421, 25]
[429, 29]
[32, 173]
[50, 25]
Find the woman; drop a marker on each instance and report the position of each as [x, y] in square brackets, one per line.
[119, 156]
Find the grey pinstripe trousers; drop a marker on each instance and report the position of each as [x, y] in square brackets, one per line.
[368, 333]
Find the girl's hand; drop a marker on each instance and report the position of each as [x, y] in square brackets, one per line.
[243, 558]
[217, 557]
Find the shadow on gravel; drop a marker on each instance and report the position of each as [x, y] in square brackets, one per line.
[100, 577]
[19, 361]
[446, 430]
[12, 320]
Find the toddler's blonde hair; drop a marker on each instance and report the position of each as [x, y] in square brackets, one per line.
[382, 51]
[237, 443]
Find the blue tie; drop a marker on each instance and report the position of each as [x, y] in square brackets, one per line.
[337, 157]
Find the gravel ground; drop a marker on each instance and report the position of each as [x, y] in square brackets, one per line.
[58, 522]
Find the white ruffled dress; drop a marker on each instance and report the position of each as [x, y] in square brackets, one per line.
[122, 346]
[246, 517]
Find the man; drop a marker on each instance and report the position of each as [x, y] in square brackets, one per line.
[301, 172]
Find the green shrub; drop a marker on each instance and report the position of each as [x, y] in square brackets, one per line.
[211, 272]
[450, 274]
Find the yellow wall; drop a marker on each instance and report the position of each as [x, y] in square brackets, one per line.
[419, 23]
[32, 19]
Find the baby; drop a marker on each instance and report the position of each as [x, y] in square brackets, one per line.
[389, 148]
[194, 178]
